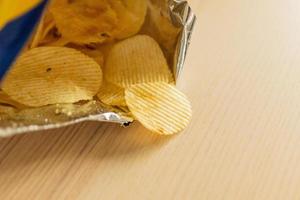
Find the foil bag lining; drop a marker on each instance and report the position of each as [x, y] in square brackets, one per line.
[55, 116]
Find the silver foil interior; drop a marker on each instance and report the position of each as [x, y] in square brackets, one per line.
[14, 121]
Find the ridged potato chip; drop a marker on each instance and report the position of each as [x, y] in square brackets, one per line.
[50, 75]
[111, 94]
[136, 60]
[159, 106]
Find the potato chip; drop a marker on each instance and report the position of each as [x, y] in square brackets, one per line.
[51, 37]
[90, 21]
[105, 48]
[111, 94]
[38, 34]
[5, 99]
[54, 38]
[131, 15]
[84, 22]
[160, 107]
[125, 109]
[136, 60]
[45, 25]
[161, 27]
[163, 4]
[48, 23]
[50, 75]
[6, 112]
[94, 53]
[59, 3]
[97, 56]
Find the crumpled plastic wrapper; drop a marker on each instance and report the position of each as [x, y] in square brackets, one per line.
[13, 121]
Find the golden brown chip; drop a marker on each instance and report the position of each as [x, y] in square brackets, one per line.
[5, 99]
[136, 60]
[98, 21]
[160, 107]
[96, 54]
[38, 34]
[45, 25]
[6, 112]
[111, 94]
[58, 3]
[104, 49]
[48, 23]
[131, 15]
[84, 22]
[53, 38]
[161, 27]
[160, 3]
[50, 75]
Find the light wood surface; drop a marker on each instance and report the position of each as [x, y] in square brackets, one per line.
[243, 77]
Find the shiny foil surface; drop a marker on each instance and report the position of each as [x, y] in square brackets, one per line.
[13, 121]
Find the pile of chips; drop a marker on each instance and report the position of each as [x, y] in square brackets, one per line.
[95, 49]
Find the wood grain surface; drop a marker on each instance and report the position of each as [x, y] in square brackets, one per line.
[243, 77]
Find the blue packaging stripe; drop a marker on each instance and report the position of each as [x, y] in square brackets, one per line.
[15, 34]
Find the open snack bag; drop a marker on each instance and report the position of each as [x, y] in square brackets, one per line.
[67, 61]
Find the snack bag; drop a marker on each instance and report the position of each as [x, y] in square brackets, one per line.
[17, 20]
[100, 60]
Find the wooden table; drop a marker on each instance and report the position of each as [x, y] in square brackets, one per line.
[243, 77]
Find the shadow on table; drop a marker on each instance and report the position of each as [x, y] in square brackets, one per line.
[71, 145]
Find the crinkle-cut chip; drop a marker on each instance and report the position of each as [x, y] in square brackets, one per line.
[50, 75]
[81, 23]
[111, 94]
[173, 83]
[131, 15]
[160, 107]
[125, 108]
[136, 60]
